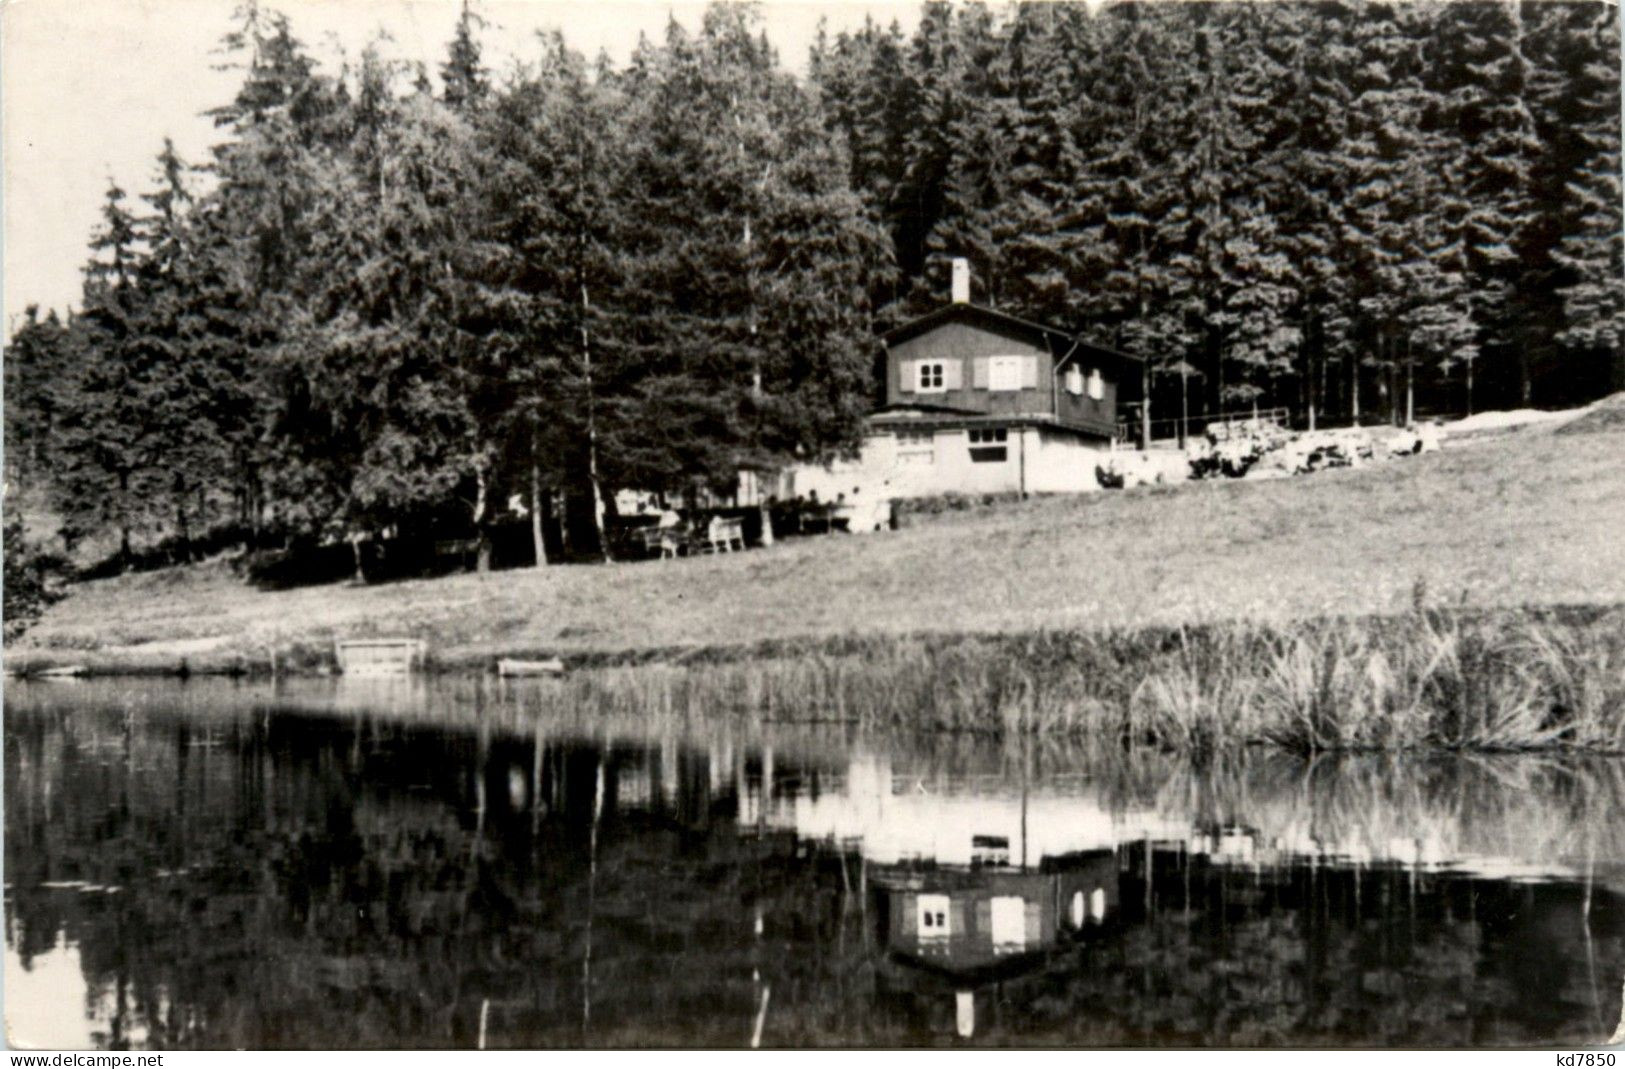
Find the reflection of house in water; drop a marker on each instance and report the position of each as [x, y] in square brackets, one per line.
[990, 900]
[973, 890]
[967, 921]
[965, 932]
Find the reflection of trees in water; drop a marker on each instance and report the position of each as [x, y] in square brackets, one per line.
[305, 880]
[317, 883]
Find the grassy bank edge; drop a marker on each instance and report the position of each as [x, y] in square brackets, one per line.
[314, 656]
[1535, 678]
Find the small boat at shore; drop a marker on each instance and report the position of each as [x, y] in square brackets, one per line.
[65, 671]
[511, 667]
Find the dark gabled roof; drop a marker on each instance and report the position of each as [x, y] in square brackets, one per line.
[960, 311]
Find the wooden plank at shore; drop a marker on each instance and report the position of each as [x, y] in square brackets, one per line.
[378, 656]
[508, 666]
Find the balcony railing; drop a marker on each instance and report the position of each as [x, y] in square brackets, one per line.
[1128, 429]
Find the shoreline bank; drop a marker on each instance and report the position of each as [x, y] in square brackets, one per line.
[1534, 678]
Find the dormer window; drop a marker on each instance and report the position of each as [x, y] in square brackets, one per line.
[931, 377]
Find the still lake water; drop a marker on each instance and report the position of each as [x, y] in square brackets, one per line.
[325, 865]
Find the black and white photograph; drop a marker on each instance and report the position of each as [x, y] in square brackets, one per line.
[1092, 525]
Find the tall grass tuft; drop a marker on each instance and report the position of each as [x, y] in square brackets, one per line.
[1429, 679]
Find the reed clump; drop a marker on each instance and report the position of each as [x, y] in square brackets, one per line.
[1510, 680]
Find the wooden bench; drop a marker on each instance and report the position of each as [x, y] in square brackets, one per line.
[723, 535]
[821, 519]
[664, 541]
[461, 548]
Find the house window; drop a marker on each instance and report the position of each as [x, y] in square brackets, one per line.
[931, 378]
[1074, 380]
[1009, 922]
[989, 445]
[933, 917]
[1097, 386]
[1004, 373]
[916, 447]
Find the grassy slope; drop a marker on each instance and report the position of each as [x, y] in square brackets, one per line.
[1532, 519]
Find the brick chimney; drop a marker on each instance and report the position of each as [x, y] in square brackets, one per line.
[961, 280]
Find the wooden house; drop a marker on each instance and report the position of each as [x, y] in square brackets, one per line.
[968, 921]
[977, 401]
[978, 935]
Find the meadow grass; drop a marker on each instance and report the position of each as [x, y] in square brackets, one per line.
[1527, 520]
[1470, 599]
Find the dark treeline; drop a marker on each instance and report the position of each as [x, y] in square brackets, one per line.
[393, 301]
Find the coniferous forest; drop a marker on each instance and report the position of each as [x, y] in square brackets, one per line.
[393, 298]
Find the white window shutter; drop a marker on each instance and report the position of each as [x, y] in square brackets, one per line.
[1004, 373]
[1029, 373]
[1009, 921]
[979, 372]
[953, 375]
[906, 373]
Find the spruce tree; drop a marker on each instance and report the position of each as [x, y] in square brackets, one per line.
[747, 260]
[550, 269]
[38, 366]
[106, 441]
[168, 338]
[1043, 257]
[1591, 283]
[869, 98]
[1479, 53]
[1224, 241]
[389, 422]
[462, 75]
[1304, 186]
[253, 230]
[1125, 280]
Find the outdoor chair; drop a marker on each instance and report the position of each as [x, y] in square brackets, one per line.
[663, 541]
[723, 535]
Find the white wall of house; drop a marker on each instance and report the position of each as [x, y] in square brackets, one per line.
[1061, 463]
[989, 461]
[903, 463]
[948, 467]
